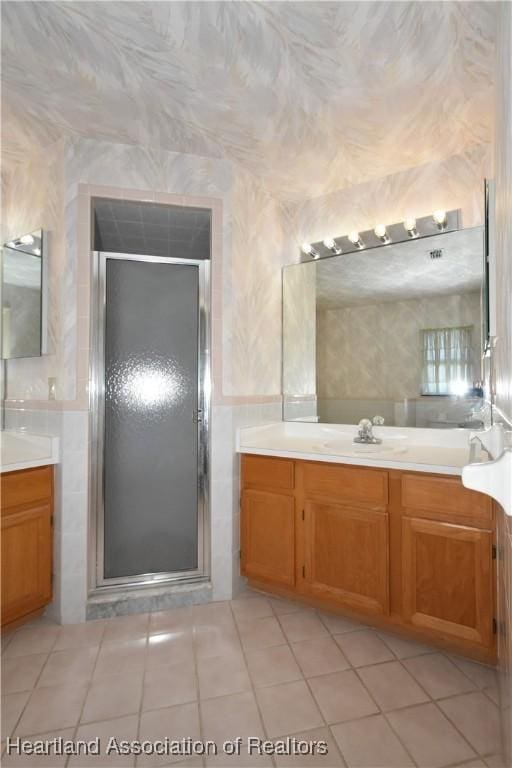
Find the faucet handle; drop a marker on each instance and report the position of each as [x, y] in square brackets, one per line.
[365, 427]
[378, 420]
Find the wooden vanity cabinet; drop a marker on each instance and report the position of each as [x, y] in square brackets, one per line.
[268, 515]
[405, 550]
[27, 542]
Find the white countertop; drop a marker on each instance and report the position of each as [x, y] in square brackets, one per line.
[442, 451]
[23, 450]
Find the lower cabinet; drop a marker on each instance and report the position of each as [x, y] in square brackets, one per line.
[411, 552]
[447, 579]
[346, 555]
[268, 537]
[27, 542]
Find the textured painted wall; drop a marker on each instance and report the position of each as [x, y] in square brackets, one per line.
[34, 199]
[373, 351]
[311, 96]
[456, 182]
[44, 193]
[503, 350]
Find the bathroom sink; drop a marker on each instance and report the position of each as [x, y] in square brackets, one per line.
[349, 448]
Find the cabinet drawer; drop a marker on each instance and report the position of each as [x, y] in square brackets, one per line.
[26, 486]
[445, 497]
[268, 472]
[342, 483]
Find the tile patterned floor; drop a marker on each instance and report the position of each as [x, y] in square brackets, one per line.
[255, 666]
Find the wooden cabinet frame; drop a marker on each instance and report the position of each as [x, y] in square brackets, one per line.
[390, 513]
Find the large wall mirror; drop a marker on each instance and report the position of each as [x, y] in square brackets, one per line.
[23, 296]
[392, 333]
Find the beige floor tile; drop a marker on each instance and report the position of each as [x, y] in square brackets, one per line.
[288, 708]
[211, 641]
[338, 625]
[49, 709]
[302, 625]
[21, 673]
[11, 709]
[497, 761]
[80, 635]
[74, 666]
[477, 719]
[231, 716]
[213, 613]
[123, 628]
[280, 606]
[370, 742]
[438, 676]
[121, 728]
[113, 696]
[392, 686]
[261, 633]
[404, 649]
[363, 648]
[254, 608]
[39, 761]
[481, 675]
[332, 759]
[319, 656]
[170, 648]
[226, 675]
[472, 764]
[269, 666]
[341, 696]
[165, 686]
[175, 723]
[32, 640]
[429, 737]
[172, 620]
[121, 658]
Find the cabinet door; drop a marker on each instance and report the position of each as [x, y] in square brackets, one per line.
[346, 555]
[447, 579]
[268, 537]
[26, 561]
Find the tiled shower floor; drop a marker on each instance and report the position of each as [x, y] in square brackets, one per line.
[255, 666]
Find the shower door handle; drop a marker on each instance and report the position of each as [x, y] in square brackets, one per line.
[196, 415]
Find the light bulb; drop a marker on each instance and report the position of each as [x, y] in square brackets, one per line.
[332, 245]
[354, 238]
[308, 249]
[381, 232]
[27, 240]
[440, 218]
[410, 227]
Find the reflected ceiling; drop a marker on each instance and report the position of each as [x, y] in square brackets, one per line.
[402, 271]
[308, 96]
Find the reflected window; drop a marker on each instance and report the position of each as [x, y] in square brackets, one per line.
[447, 360]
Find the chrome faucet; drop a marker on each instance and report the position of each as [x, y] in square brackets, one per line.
[365, 433]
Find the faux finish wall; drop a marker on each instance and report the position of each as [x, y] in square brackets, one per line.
[455, 182]
[503, 349]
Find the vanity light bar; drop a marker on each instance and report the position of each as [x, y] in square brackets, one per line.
[410, 228]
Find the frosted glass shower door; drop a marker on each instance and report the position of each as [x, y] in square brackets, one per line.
[152, 475]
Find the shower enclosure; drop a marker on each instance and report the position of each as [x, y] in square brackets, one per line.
[150, 403]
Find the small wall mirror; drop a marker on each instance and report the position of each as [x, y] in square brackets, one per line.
[23, 304]
[393, 333]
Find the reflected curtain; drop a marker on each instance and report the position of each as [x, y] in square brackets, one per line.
[446, 360]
